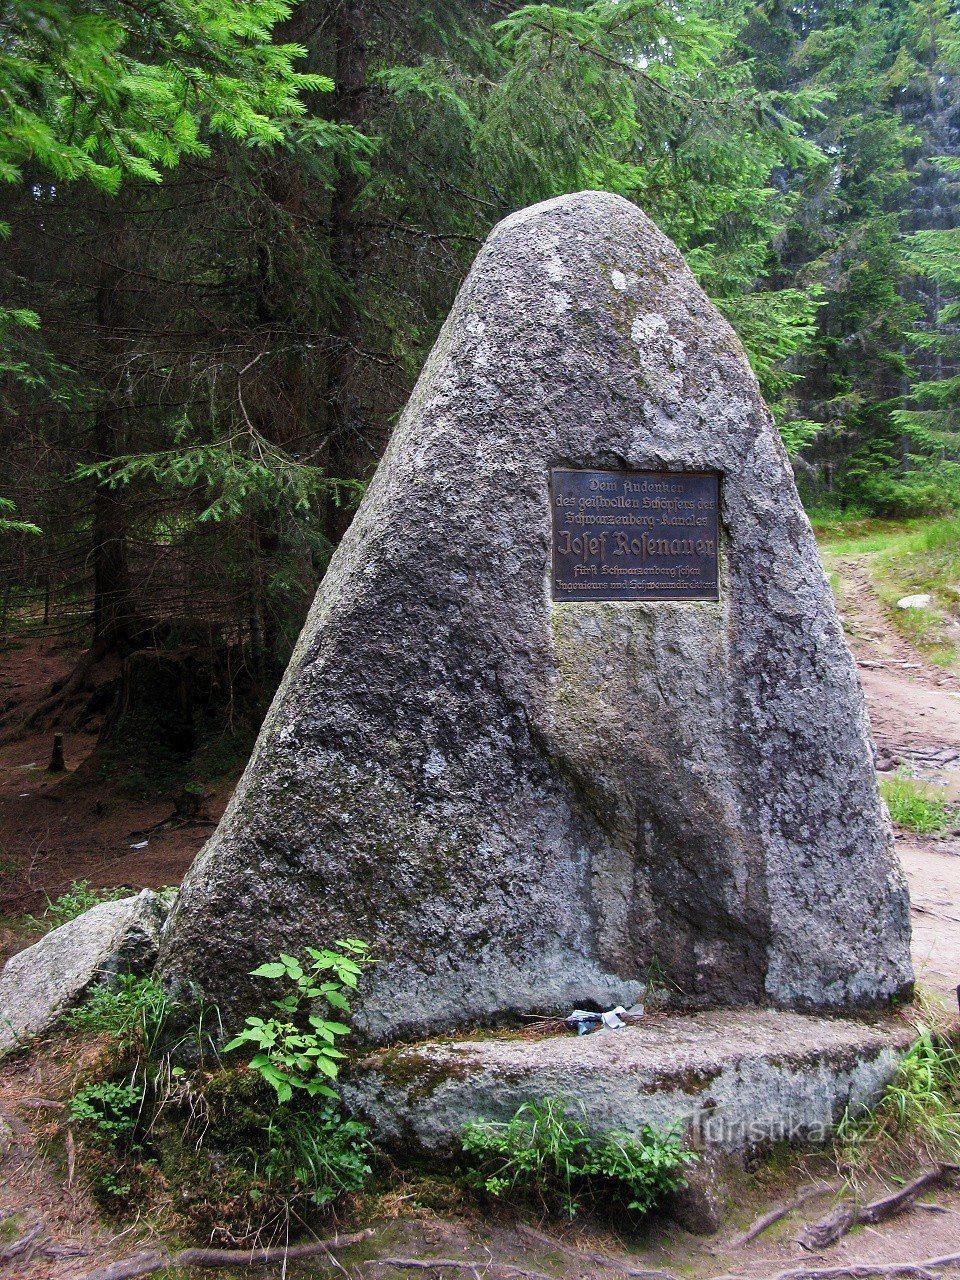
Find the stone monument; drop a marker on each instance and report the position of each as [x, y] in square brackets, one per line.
[573, 708]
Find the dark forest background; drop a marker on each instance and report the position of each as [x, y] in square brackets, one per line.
[232, 231]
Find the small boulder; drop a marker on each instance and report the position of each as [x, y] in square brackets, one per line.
[914, 602]
[38, 984]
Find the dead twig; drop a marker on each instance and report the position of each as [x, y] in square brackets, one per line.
[148, 1261]
[818, 1235]
[777, 1215]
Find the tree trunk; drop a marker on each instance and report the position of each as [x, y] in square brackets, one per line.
[114, 622]
[347, 454]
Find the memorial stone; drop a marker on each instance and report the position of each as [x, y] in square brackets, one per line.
[572, 712]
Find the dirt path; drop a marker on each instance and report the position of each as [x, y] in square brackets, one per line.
[914, 707]
[57, 828]
[915, 715]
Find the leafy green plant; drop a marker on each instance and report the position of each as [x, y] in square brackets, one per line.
[252, 1165]
[914, 806]
[322, 1152]
[297, 1048]
[80, 897]
[246, 1152]
[133, 1011]
[108, 1108]
[545, 1153]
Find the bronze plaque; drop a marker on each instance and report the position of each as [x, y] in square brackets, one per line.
[634, 535]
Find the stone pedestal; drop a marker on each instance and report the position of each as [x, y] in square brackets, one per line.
[733, 1080]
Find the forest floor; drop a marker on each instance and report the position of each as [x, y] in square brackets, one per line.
[82, 824]
[53, 831]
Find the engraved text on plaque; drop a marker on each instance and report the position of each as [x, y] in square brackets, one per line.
[634, 535]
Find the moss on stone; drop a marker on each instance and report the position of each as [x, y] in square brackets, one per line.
[417, 1073]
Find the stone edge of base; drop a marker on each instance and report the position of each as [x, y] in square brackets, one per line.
[792, 1084]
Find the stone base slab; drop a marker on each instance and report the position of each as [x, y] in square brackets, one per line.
[736, 1080]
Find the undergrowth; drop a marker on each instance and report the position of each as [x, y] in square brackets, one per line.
[80, 897]
[915, 806]
[133, 1013]
[545, 1154]
[918, 1116]
[232, 1158]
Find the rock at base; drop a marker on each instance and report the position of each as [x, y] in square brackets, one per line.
[701, 1205]
[732, 1080]
[38, 984]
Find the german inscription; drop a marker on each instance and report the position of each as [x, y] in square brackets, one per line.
[634, 535]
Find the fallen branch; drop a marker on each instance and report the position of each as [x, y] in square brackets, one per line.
[148, 1261]
[818, 1235]
[777, 1215]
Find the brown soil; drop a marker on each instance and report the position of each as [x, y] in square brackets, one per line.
[914, 707]
[52, 832]
[57, 828]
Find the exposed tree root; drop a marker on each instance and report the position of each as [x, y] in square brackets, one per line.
[621, 1265]
[778, 1214]
[14, 1248]
[479, 1266]
[827, 1231]
[928, 1269]
[148, 1261]
[62, 693]
[818, 1235]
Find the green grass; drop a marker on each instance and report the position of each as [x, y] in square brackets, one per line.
[132, 1012]
[916, 807]
[79, 897]
[919, 1113]
[544, 1154]
[909, 557]
[925, 562]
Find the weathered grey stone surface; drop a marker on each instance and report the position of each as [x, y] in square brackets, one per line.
[525, 805]
[733, 1080]
[701, 1204]
[39, 983]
